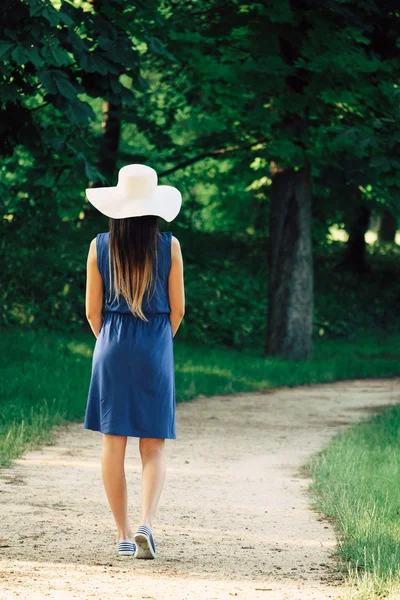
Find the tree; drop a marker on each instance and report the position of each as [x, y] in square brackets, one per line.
[290, 305]
[387, 227]
[355, 255]
[57, 64]
[299, 86]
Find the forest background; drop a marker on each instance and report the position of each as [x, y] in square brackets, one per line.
[279, 122]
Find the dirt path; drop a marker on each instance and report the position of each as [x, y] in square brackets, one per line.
[233, 520]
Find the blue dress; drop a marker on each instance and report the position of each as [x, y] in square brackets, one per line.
[132, 385]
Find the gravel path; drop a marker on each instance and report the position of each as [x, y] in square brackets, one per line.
[234, 518]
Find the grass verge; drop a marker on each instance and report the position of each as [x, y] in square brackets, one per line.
[356, 482]
[45, 376]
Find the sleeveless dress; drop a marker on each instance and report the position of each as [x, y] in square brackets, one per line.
[132, 385]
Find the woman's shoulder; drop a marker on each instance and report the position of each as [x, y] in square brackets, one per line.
[171, 242]
[101, 235]
[167, 235]
[95, 242]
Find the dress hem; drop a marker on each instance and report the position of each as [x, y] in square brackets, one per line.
[136, 434]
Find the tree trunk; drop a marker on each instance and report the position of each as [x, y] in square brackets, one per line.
[111, 126]
[290, 261]
[108, 153]
[354, 257]
[387, 227]
[111, 129]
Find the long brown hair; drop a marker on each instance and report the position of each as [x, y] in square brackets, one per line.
[132, 249]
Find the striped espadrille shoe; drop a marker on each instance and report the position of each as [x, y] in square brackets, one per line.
[126, 548]
[145, 546]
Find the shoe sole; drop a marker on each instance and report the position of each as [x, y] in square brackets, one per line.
[126, 552]
[143, 546]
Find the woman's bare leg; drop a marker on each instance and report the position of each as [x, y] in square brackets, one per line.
[153, 476]
[113, 471]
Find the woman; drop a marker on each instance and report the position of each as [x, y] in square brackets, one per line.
[132, 386]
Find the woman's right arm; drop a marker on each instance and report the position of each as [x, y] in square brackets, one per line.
[176, 288]
[94, 291]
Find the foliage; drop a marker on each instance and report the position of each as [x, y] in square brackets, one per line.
[212, 93]
[290, 84]
[225, 288]
[56, 64]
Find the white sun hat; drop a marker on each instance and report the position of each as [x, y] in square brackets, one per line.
[136, 194]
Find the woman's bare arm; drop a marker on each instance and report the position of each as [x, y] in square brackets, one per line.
[176, 288]
[94, 291]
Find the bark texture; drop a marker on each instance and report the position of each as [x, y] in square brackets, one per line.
[387, 227]
[355, 258]
[111, 127]
[290, 262]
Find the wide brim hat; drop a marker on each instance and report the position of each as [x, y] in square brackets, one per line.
[136, 195]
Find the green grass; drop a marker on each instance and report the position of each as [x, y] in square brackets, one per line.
[356, 481]
[45, 376]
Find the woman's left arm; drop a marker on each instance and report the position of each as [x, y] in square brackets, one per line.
[94, 291]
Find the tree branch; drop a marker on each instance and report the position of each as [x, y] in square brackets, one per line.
[39, 107]
[211, 154]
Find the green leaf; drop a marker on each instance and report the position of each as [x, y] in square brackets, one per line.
[71, 13]
[127, 96]
[47, 80]
[35, 8]
[64, 18]
[93, 63]
[19, 55]
[45, 181]
[5, 47]
[46, 10]
[79, 113]
[381, 162]
[52, 15]
[56, 143]
[64, 86]
[115, 85]
[11, 34]
[92, 173]
[79, 44]
[157, 46]
[105, 43]
[142, 83]
[55, 55]
[34, 57]
[9, 93]
[121, 52]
